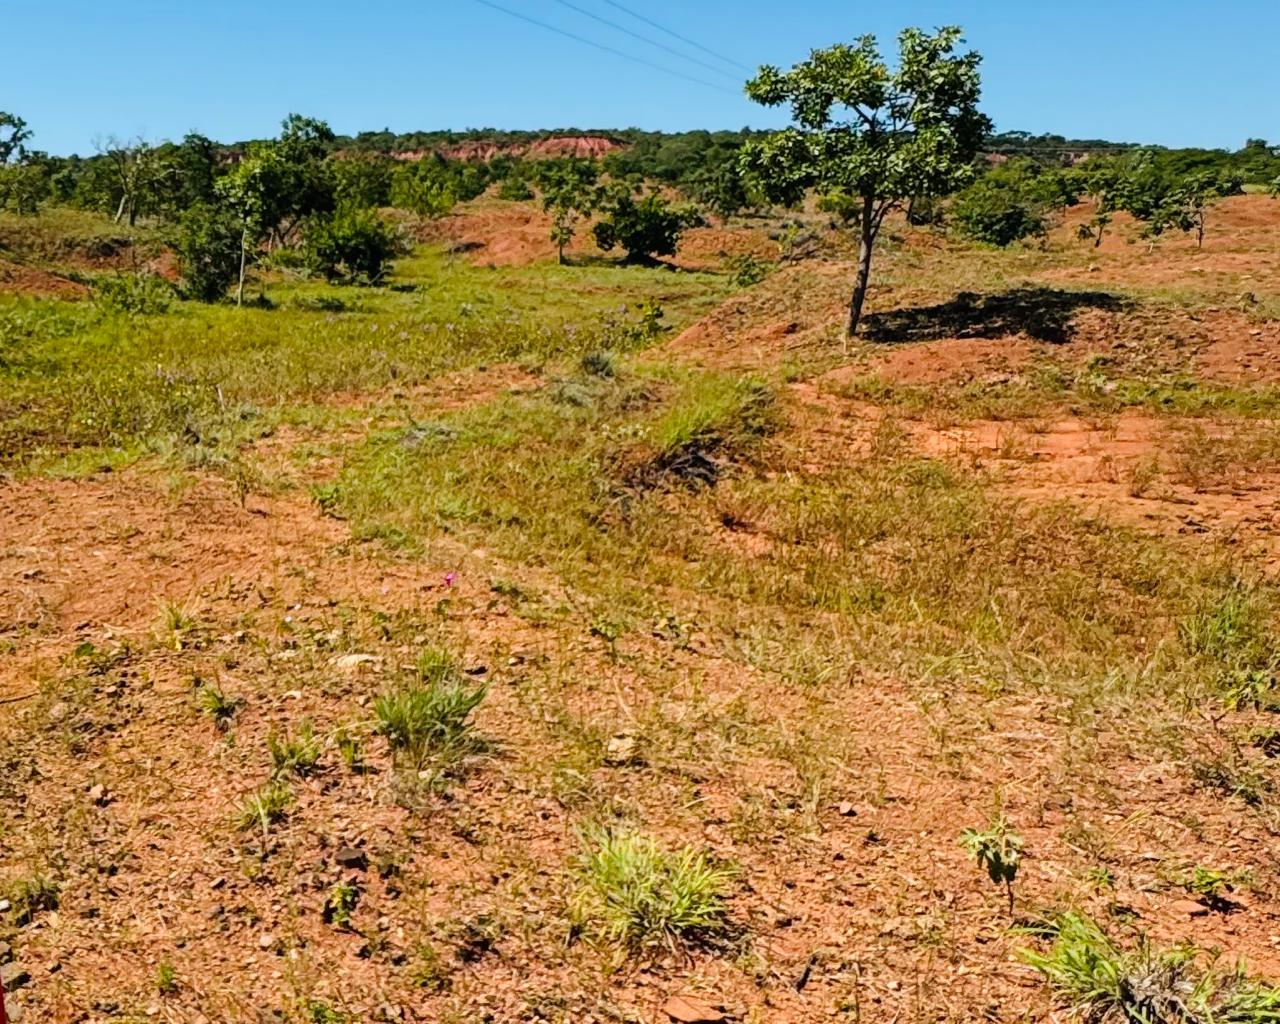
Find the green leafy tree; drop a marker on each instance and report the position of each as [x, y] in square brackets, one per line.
[26, 184]
[878, 134]
[363, 180]
[424, 187]
[568, 193]
[13, 134]
[645, 228]
[1104, 182]
[140, 175]
[250, 194]
[722, 189]
[1184, 204]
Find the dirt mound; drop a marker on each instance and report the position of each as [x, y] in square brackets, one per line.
[497, 233]
[787, 310]
[20, 280]
[709, 247]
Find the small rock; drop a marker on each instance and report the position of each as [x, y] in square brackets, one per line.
[688, 1010]
[98, 794]
[351, 858]
[57, 713]
[13, 977]
[6, 952]
[266, 940]
[620, 750]
[1189, 908]
[4, 906]
[354, 663]
[847, 810]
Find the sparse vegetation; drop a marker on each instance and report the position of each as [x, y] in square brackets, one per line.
[566, 634]
[1095, 978]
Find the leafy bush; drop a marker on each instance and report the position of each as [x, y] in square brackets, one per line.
[1108, 985]
[134, 293]
[429, 719]
[999, 210]
[643, 895]
[646, 228]
[746, 269]
[208, 246]
[352, 245]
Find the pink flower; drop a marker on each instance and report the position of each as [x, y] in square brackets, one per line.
[449, 578]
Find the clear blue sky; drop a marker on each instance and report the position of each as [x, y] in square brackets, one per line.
[1178, 72]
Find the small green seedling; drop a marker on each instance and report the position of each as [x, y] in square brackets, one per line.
[340, 904]
[998, 850]
[166, 979]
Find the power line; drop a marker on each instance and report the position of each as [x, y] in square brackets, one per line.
[684, 39]
[645, 39]
[601, 46]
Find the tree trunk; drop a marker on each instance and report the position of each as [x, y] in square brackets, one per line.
[244, 242]
[866, 241]
[1200, 233]
[120, 209]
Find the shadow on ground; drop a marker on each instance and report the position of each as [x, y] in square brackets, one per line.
[1044, 314]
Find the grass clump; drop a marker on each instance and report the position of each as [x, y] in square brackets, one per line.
[30, 896]
[294, 754]
[217, 704]
[429, 718]
[643, 895]
[266, 806]
[1104, 984]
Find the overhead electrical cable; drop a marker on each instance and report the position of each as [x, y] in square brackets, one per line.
[601, 46]
[684, 39]
[646, 39]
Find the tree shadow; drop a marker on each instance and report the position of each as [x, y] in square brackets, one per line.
[1044, 314]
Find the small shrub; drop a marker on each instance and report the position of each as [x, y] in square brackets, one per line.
[645, 228]
[429, 971]
[176, 622]
[599, 363]
[1104, 984]
[351, 245]
[998, 850]
[746, 269]
[266, 806]
[147, 294]
[208, 247]
[643, 895]
[429, 719]
[294, 754]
